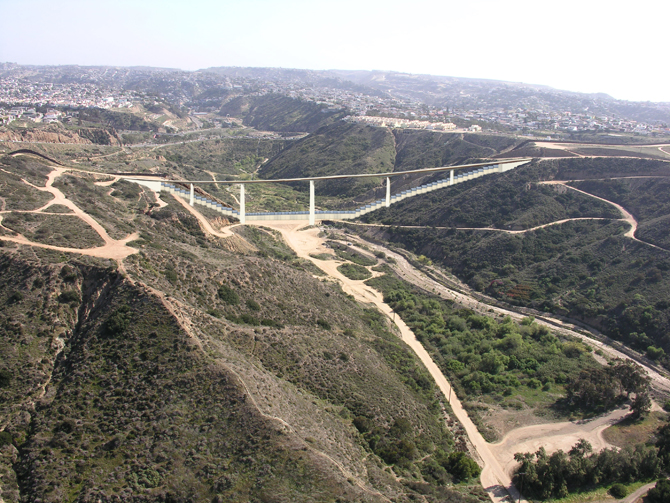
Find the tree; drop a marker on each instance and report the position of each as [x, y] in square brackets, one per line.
[663, 444]
[641, 405]
[462, 467]
[630, 375]
[660, 493]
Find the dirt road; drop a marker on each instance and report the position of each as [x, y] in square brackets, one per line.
[494, 478]
[115, 249]
[554, 436]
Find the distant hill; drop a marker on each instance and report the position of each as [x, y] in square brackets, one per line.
[274, 112]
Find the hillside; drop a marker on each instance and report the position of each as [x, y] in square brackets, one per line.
[585, 269]
[201, 370]
[342, 148]
[280, 113]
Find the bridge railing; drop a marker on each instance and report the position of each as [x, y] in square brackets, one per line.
[335, 214]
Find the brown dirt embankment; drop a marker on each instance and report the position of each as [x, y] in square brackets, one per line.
[60, 135]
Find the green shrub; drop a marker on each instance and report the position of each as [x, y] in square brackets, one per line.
[228, 295]
[461, 466]
[69, 297]
[354, 271]
[5, 378]
[655, 353]
[323, 324]
[5, 438]
[171, 275]
[68, 274]
[249, 320]
[618, 491]
[534, 383]
[118, 321]
[253, 305]
[15, 298]
[266, 322]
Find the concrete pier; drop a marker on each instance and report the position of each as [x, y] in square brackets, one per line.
[451, 177]
[191, 198]
[388, 191]
[312, 212]
[243, 216]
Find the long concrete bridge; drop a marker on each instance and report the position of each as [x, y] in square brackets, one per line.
[467, 172]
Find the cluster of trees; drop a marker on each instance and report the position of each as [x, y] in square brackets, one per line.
[543, 476]
[601, 388]
[482, 354]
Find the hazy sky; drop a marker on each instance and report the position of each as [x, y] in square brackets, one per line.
[620, 48]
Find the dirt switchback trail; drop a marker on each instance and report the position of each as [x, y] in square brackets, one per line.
[115, 249]
[493, 478]
[627, 216]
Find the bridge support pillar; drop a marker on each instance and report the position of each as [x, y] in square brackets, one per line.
[191, 198]
[388, 191]
[243, 213]
[451, 177]
[312, 211]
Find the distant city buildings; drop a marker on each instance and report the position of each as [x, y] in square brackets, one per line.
[22, 95]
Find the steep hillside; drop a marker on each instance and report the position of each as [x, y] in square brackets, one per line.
[507, 201]
[341, 148]
[280, 113]
[347, 148]
[425, 149]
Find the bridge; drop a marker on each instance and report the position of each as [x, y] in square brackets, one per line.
[467, 172]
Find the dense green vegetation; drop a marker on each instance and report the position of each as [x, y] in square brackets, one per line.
[349, 148]
[354, 271]
[543, 476]
[510, 364]
[510, 200]
[660, 493]
[345, 252]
